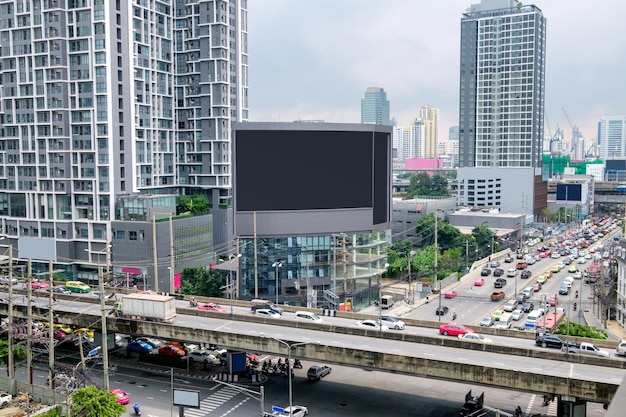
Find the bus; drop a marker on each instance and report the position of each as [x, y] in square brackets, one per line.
[550, 320]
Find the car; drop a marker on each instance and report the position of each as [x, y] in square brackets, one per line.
[517, 314]
[572, 269]
[485, 272]
[441, 311]
[553, 341]
[555, 269]
[155, 343]
[211, 307]
[497, 295]
[510, 305]
[508, 259]
[308, 316]
[475, 337]
[494, 264]
[537, 286]
[266, 312]
[372, 325]
[61, 290]
[77, 286]
[553, 300]
[139, 346]
[5, 280]
[581, 260]
[527, 306]
[564, 290]
[454, 329]
[317, 372]
[204, 357]
[120, 396]
[487, 322]
[86, 331]
[37, 284]
[521, 265]
[292, 411]
[525, 274]
[548, 274]
[511, 272]
[578, 275]
[542, 279]
[5, 399]
[621, 348]
[479, 282]
[392, 322]
[62, 327]
[107, 295]
[498, 272]
[172, 350]
[499, 283]
[450, 294]
[497, 314]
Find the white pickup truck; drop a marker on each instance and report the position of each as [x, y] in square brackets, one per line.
[591, 349]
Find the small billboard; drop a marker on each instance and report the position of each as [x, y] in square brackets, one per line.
[186, 398]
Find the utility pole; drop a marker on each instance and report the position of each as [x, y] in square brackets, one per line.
[435, 264]
[155, 254]
[172, 265]
[51, 373]
[521, 241]
[29, 324]
[11, 365]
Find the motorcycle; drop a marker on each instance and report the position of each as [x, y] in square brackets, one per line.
[297, 364]
[137, 410]
[547, 399]
[575, 305]
[193, 303]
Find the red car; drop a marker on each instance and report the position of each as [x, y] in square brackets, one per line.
[450, 294]
[536, 287]
[454, 329]
[121, 396]
[553, 300]
[212, 307]
[479, 282]
[37, 285]
[171, 350]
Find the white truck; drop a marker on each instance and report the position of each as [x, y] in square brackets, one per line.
[148, 307]
[591, 349]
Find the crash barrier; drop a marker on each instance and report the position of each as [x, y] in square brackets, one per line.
[331, 313]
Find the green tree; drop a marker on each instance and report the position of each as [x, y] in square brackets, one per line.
[202, 281]
[194, 204]
[423, 184]
[448, 236]
[19, 352]
[94, 402]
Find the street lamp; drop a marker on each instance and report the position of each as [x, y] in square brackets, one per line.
[277, 265]
[289, 347]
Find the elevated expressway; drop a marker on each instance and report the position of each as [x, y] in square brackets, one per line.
[446, 358]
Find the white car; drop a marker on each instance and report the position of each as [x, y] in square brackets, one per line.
[5, 399]
[578, 275]
[475, 337]
[204, 357]
[5, 280]
[372, 325]
[392, 322]
[517, 314]
[293, 411]
[265, 312]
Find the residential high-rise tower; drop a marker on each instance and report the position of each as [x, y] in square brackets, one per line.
[501, 109]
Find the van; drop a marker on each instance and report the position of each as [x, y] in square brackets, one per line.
[386, 301]
[528, 292]
[308, 316]
[504, 322]
[534, 316]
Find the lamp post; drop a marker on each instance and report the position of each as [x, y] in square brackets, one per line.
[171, 271]
[289, 347]
[103, 317]
[277, 265]
[380, 300]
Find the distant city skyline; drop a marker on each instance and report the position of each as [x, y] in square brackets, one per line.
[316, 66]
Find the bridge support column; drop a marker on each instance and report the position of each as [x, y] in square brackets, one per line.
[571, 407]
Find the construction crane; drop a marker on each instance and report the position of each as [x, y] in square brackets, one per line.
[575, 131]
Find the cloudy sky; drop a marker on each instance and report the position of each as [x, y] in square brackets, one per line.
[313, 59]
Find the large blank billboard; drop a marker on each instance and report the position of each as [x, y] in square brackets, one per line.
[311, 174]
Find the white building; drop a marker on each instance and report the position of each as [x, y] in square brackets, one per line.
[612, 137]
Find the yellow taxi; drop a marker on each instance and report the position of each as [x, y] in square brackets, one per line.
[77, 286]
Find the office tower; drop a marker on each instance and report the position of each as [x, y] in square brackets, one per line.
[105, 98]
[430, 120]
[501, 109]
[612, 136]
[375, 107]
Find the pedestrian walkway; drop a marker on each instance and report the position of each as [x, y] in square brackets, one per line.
[216, 399]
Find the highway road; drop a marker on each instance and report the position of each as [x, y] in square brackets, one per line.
[346, 391]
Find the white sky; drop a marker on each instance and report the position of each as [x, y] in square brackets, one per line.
[313, 59]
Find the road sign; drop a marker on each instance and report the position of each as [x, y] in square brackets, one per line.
[277, 409]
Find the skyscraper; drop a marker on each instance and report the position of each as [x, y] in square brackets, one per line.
[501, 109]
[104, 98]
[612, 136]
[375, 107]
[430, 120]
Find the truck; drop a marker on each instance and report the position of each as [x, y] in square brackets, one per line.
[591, 349]
[593, 273]
[148, 307]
